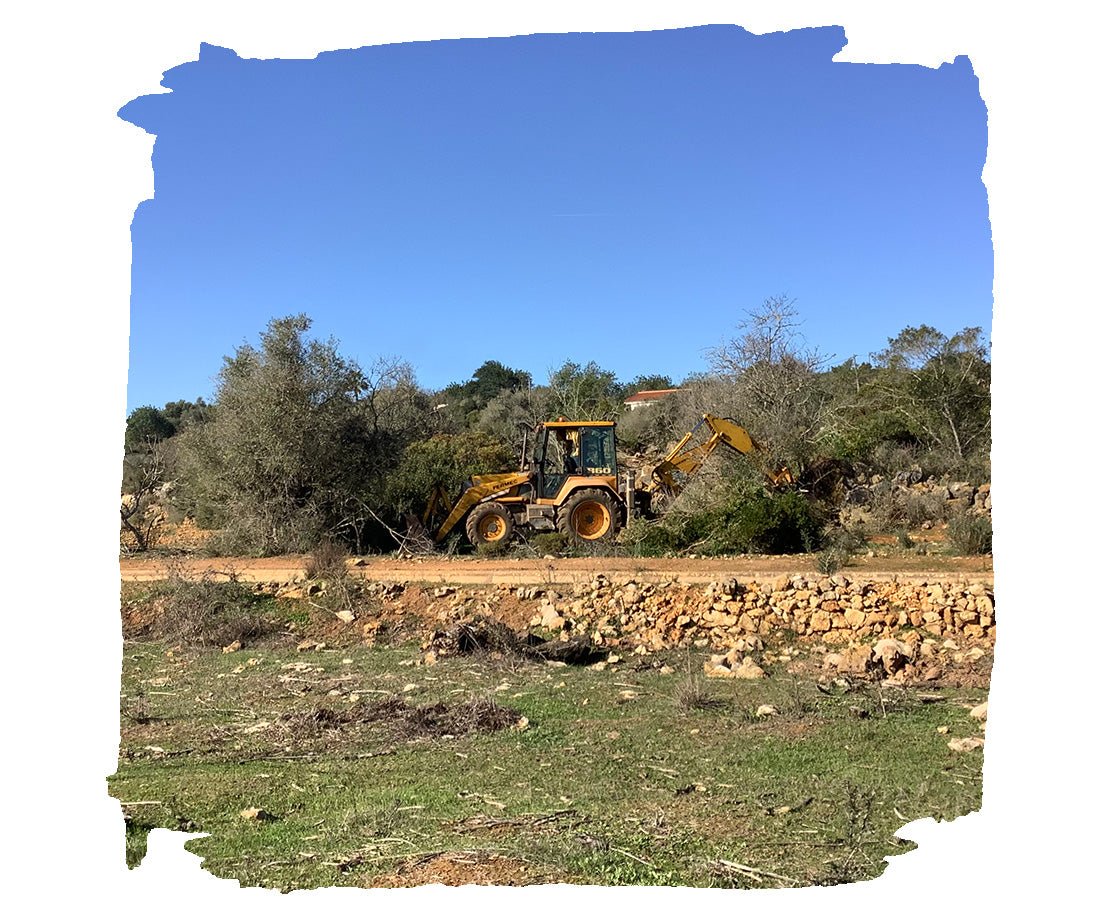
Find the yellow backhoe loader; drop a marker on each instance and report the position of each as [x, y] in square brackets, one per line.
[570, 483]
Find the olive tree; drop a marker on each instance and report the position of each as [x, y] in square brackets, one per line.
[511, 414]
[941, 385]
[295, 434]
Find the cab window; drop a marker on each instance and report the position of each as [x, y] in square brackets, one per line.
[597, 455]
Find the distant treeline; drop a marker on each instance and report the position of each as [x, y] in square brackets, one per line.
[302, 444]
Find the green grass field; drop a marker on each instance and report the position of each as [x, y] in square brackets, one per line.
[372, 769]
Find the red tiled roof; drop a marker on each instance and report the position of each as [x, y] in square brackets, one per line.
[650, 394]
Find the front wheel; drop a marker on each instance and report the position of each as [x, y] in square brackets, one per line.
[589, 516]
[490, 524]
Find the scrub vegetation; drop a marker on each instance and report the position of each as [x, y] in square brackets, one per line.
[302, 444]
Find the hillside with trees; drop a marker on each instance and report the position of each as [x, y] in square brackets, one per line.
[301, 445]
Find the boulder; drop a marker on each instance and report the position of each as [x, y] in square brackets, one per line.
[550, 618]
[715, 667]
[751, 643]
[892, 654]
[748, 670]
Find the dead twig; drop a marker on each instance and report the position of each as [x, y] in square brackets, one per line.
[480, 822]
[756, 874]
[644, 862]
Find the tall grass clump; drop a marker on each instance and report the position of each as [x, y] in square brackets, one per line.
[341, 589]
[970, 534]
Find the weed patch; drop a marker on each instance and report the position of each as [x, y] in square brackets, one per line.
[206, 613]
[832, 560]
[692, 695]
[970, 534]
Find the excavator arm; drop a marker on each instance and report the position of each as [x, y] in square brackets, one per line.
[671, 474]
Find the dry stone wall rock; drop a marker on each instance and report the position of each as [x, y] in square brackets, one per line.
[888, 629]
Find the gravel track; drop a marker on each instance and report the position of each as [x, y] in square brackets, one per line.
[565, 571]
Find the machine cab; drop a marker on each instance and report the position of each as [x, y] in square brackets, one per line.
[564, 449]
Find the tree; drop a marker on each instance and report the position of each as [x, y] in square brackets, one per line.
[510, 414]
[182, 413]
[585, 392]
[942, 386]
[466, 400]
[493, 377]
[862, 418]
[397, 409]
[146, 426]
[649, 382]
[776, 391]
[145, 474]
[294, 438]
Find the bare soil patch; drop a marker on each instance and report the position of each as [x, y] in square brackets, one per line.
[453, 869]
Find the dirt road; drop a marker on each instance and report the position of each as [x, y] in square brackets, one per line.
[567, 571]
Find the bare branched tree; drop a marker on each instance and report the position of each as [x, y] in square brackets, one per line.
[774, 377]
[584, 391]
[145, 474]
[396, 402]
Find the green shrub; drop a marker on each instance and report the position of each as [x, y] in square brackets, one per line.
[750, 519]
[761, 521]
[647, 538]
[970, 534]
[905, 541]
[873, 439]
[918, 507]
[891, 457]
[848, 540]
[832, 560]
[493, 550]
[549, 544]
[975, 469]
[443, 458]
[671, 534]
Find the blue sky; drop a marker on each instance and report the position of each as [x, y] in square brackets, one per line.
[621, 198]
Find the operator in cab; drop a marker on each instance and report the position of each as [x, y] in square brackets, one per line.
[571, 461]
